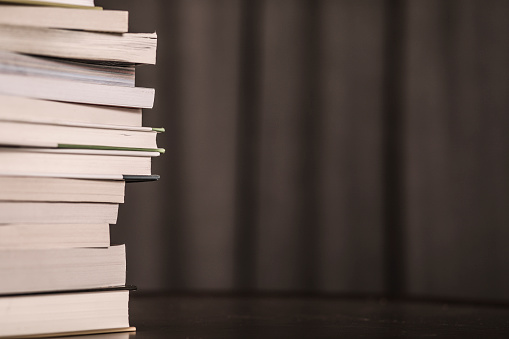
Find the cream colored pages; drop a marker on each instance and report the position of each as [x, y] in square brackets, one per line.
[64, 18]
[127, 47]
[85, 4]
[122, 334]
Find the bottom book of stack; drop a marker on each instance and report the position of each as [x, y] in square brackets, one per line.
[62, 313]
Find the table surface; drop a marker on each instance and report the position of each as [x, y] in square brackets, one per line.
[206, 316]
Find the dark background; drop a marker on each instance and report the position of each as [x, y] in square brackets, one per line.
[324, 146]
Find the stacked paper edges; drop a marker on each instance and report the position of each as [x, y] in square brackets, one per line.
[70, 138]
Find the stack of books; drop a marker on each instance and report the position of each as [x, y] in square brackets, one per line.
[71, 136]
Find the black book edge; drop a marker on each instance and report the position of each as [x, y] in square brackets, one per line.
[87, 290]
[140, 178]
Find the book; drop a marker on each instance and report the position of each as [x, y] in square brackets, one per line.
[63, 3]
[21, 212]
[76, 92]
[74, 163]
[46, 236]
[108, 333]
[60, 314]
[27, 271]
[64, 18]
[81, 136]
[18, 188]
[34, 110]
[137, 48]
[102, 73]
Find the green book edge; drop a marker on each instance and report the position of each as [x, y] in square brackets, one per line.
[47, 4]
[158, 129]
[111, 148]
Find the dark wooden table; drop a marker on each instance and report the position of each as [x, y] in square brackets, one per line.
[202, 316]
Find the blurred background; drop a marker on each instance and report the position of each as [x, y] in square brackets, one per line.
[324, 146]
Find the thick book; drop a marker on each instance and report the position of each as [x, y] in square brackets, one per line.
[34, 110]
[58, 314]
[91, 72]
[76, 92]
[28, 271]
[78, 136]
[74, 163]
[18, 188]
[64, 18]
[47, 236]
[139, 48]
[18, 212]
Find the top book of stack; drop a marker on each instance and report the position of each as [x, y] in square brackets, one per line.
[60, 3]
[81, 32]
